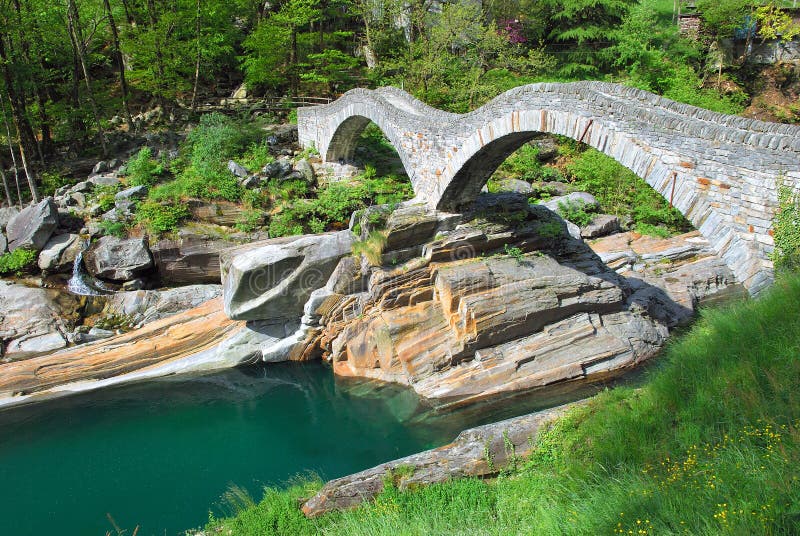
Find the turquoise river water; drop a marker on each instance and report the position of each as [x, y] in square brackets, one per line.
[159, 455]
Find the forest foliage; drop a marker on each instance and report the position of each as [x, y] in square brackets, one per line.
[72, 72]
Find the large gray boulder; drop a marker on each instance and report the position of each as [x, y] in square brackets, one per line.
[304, 168]
[32, 320]
[272, 280]
[601, 225]
[118, 259]
[3, 243]
[32, 227]
[60, 252]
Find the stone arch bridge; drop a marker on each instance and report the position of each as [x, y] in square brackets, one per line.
[722, 172]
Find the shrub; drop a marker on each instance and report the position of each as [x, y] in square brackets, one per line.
[52, 182]
[143, 169]
[113, 228]
[218, 138]
[786, 227]
[575, 211]
[372, 247]
[104, 196]
[621, 192]
[250, 220]
[160, 218]
[18, 261]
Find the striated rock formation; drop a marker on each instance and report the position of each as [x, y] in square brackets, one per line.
[199, 340]
[503, 302]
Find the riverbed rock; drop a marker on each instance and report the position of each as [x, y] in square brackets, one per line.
[584, 199]
[104, 180]
[118, 259]
[33, 320]
[478, 452]
[3, 242]
[272, 280]
[547, 148]
[601, 225]
[32, 227]
[278, 168]
[144, 306]
[6, 214]
[60, 252]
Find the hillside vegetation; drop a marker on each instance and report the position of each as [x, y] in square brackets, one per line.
[708, 444]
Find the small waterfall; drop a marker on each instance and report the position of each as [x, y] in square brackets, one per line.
[82, 283]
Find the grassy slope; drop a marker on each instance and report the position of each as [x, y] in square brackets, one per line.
[709, 445]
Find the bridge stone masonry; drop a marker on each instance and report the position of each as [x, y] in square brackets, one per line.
[722, 172]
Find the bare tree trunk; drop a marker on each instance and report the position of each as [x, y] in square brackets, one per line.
[123, 83]
[17, 100]
[11, 147]
[45, 146]
[197, 57]
[5, 187]
[151, 8]
[31, 182]
[73, 23]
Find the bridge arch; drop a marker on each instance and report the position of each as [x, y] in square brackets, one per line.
[721, 172]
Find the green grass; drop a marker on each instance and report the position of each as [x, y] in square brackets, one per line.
[708, 445]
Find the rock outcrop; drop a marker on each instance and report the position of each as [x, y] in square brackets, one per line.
[273, 279]
[191, 258]
[32, 227]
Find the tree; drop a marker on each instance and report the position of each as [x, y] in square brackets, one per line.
[585, 29]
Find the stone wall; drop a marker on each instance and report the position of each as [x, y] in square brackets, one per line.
[720, 171]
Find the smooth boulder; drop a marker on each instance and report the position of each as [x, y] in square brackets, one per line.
[118, 259]
[32, 320]
[60, 252]
[272, 280]
[33, 227]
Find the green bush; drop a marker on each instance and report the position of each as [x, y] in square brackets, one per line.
[250, 220]
[576, 212]
[104, 196]
[621, 192]
[51, 181]
[113, 228]
[209, 181]
[218, 138]
[160, 218]
[143, 169]
[786, 227]
[18, 261]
